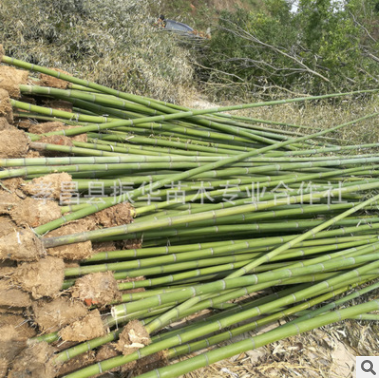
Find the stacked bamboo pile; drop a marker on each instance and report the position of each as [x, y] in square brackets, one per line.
[122, 215]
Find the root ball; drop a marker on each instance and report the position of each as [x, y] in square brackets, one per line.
[133, 337]
[42, 278]
[13, 143]
[11, 78]
[53, 315]
[89, 327]
[35, 212]
[35, 361]
[97, 289]
[52, 183]
[21, 245]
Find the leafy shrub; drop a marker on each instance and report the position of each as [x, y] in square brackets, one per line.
[326, 46]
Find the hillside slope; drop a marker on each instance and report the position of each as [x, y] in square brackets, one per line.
[201, 14]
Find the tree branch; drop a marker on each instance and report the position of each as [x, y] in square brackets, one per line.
[248, 36]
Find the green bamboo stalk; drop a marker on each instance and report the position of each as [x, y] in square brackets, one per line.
[121, 104]
[213, 340]
[264, 215]
[117, 149]
[140, 140]
[176, 165]
[188, 174]
[113, 124]
[285, 143]
[88, 345]
[235, 282]
[62, 114]
[300, 238]
[113, 158]
[129, 297]
[134, 181]
[81, 348]
[340, 256]
[179, 136]
[176, 340]
[288, 330]
[338, 302]
[165, 250]
[275, 153]
[345, 285]
[246, 247]
[181, 310]
[146, 130]
[163, 269]
[250, 308]
[234, 230]
[166, 269]
[73, 96]
[82, 148]
[262, 184]
[200, 303]
[167, 109]
[114, 231]
[144, 148]
[162, 149]
[177, 240]
[107, 90]
[366, 317]
[148, 242]
[252, 228]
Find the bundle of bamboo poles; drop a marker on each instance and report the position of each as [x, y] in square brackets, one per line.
[124, 214]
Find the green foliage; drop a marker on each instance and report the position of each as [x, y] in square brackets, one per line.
[112, 42]
[234, 48]
[325, 46]
[336, 41]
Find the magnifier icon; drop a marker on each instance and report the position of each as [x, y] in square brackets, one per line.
[369, 368]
